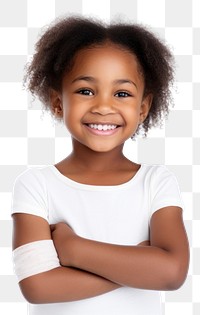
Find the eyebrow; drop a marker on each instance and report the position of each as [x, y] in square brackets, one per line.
[85, 78]
[93, 80]
[122, 81]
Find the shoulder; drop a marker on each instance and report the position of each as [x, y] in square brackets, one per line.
[32, 175]
[163, 188]
[30, 193]
[31, 184]
[157, 172]
[156, 168]
[158, 176]
[161, 175]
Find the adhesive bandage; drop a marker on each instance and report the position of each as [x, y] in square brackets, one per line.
[35, 257]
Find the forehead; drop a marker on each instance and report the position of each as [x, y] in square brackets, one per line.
[107, 58]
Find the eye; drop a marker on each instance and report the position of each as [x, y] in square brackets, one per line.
[122, 94]
[86, 92]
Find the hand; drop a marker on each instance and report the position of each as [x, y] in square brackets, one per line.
[64, 240]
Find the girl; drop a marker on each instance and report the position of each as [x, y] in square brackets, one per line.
[97, 233]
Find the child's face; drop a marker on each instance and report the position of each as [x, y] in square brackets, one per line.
[102, 97]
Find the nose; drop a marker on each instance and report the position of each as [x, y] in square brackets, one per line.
[104, 106]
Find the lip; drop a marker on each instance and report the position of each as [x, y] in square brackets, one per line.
[102, 132]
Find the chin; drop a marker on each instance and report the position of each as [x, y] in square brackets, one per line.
[101, 149]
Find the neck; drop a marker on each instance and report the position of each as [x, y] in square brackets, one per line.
[86, 158]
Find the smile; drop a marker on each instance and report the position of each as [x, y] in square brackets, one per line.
[102, 127]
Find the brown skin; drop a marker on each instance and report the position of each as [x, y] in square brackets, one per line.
[161, 266]
[60, 284]
[87, 269]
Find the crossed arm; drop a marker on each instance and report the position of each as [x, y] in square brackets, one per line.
[90, 268]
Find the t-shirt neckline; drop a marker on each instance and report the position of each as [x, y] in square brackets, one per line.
[77, 185]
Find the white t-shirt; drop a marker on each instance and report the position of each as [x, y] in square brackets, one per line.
[117, 214]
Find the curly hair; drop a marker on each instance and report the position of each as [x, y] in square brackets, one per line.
[56, 49]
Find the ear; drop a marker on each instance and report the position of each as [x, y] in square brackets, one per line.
[145, 107]
[56, 104]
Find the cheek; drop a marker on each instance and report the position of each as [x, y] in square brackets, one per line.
[132, 113]
[72, 116]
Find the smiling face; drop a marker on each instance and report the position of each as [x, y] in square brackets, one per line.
[102, 100]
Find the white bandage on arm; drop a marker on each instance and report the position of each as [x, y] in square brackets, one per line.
[33, 258]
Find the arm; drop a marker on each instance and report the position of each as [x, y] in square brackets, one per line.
[161, 266]
[60, 284]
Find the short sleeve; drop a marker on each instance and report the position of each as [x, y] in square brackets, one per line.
[164, 190]
[29, 194]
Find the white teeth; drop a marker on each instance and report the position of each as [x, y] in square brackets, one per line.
[102, 127]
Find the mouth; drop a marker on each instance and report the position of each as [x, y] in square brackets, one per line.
[102, 128]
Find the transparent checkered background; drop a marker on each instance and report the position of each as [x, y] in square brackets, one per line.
[29, 138]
